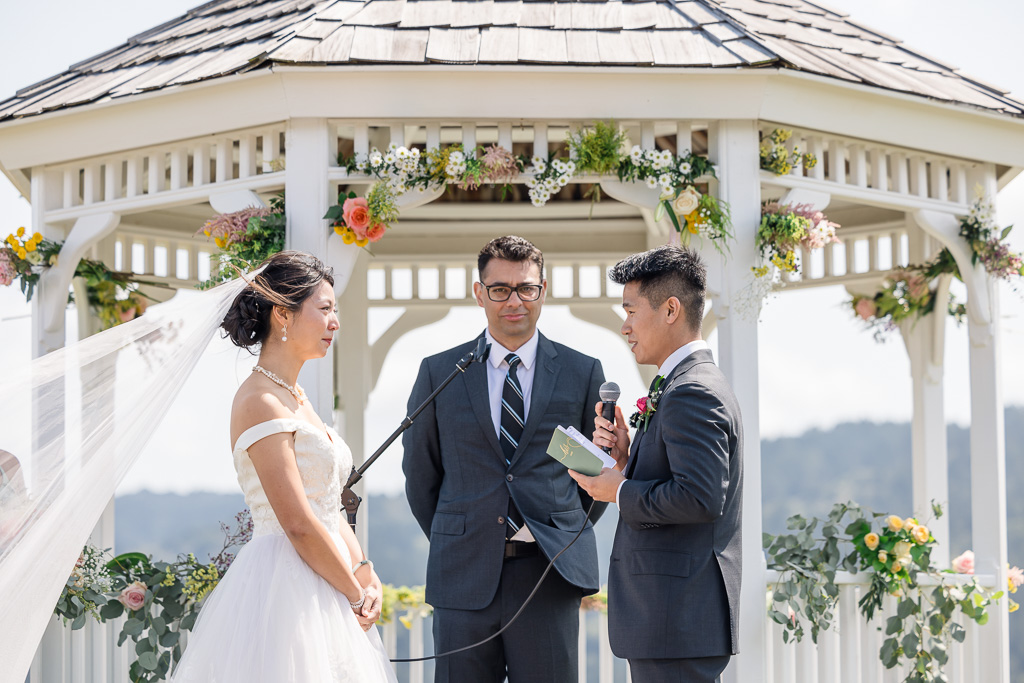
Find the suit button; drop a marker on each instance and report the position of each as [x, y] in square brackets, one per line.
[501, 520]
[509, 477]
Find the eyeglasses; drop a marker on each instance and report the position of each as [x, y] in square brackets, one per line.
[503, 292]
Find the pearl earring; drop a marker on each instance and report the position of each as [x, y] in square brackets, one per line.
[284, 333]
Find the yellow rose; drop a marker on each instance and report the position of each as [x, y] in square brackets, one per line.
[871, 541]
[920, 533]
[687, 202]
[909, 523]
[22, 253]
[30, 246]
[883, 556]
[895, 523]
[21, 232]
[12, 240]
[37, 238]
[896, 567]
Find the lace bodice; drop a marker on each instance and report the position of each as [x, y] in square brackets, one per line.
[324, 465]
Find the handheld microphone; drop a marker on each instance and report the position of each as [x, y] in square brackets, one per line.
[609, 393]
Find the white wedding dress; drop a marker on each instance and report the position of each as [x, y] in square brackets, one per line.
[272, 619]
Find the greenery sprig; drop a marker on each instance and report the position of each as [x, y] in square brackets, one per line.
[779, 159]
[245, 238]
[897, 553]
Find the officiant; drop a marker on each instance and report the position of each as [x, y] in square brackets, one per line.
[494, 505]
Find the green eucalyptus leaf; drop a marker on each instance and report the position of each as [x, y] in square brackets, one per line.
[134, 627]
[893, 625]
[170, 639]
[79, 621]
[142, 646]
[911, 643]
[112, 610]
[148, 661]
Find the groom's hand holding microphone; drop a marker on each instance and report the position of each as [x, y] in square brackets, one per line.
[612, 438]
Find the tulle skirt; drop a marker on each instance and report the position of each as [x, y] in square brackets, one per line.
[272, 619]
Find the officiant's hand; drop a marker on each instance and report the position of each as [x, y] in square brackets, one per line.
[613, 436]
[603, 487]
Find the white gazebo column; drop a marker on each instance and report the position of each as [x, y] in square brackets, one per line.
[733, 146]
[925, 341]
[988, 486]
[44, 194]
[308, 155]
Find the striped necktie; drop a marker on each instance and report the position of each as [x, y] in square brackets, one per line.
[513, 417]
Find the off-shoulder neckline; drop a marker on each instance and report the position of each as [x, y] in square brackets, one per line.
[325, 432]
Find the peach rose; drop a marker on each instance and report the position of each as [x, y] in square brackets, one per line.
[134, 596]
[871, 541]
[896, 567]
[375, 232]
[356, 214]
[883, 556]
[895, 523]
[865, 308]
[920, 534]
[964, 564]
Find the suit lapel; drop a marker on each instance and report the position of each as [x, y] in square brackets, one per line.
[545, 377]
[475, 378]
[695, 358]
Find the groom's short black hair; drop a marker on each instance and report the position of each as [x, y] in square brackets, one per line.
[510, 248]
[662, 272]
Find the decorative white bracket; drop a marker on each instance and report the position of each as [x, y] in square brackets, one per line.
[415, 198]
[816, 200]
[632, 193]
[946, 229]
[237, 200]
[87, 231]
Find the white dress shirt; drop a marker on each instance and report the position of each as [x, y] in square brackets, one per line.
[674, 359]
[497, 368]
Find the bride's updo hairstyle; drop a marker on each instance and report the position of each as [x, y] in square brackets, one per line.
[288, 278]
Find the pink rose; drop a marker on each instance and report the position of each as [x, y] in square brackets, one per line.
[134, 596]
[865, 308]
[1015, 577]
[964, 564]
[641, 404]
[357, 215]
[127, 315]
[375, 232]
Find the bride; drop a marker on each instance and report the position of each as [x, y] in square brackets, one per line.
[300, 600]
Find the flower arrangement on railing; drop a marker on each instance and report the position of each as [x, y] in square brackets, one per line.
[245, 238]
[987, 241]
[784, 229]
[896, 552]
[114, 296]
[778, 158]
[597, 150]
[161, 599]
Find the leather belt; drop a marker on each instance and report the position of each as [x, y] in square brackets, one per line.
[514, 549]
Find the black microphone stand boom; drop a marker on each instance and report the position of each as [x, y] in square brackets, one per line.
[349, 500]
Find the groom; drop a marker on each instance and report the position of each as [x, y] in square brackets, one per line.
[494, 505]
[674, 579]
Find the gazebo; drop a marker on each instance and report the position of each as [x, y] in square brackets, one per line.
[126, 154]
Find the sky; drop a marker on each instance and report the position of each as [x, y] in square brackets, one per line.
[818, 366]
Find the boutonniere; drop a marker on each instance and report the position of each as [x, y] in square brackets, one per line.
[647, 405]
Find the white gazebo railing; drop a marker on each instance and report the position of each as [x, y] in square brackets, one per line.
[849, 651]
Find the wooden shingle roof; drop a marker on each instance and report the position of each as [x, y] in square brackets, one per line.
[234, 36]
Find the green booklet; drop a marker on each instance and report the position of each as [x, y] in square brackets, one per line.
[569, 447]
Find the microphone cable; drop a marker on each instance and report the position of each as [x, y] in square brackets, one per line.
[515, 616]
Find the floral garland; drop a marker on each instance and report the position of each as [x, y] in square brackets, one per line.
[896, 553]
[777, 158]
[114, 296]
[245, 238]
[785, 228]
[594, 150]
[908, 293]
[161, 599]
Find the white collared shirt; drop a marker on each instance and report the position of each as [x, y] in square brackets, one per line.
[497, 368]
[674, 359]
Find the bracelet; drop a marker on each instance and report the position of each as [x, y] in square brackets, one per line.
[359, 603]
[361, 563]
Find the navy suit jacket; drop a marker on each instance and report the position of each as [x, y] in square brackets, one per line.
[458, 484]
[674, 577]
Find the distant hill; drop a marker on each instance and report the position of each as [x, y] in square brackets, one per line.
[866, 462]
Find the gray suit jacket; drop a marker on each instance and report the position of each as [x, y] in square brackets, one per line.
[458, 485]
[674, 578]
